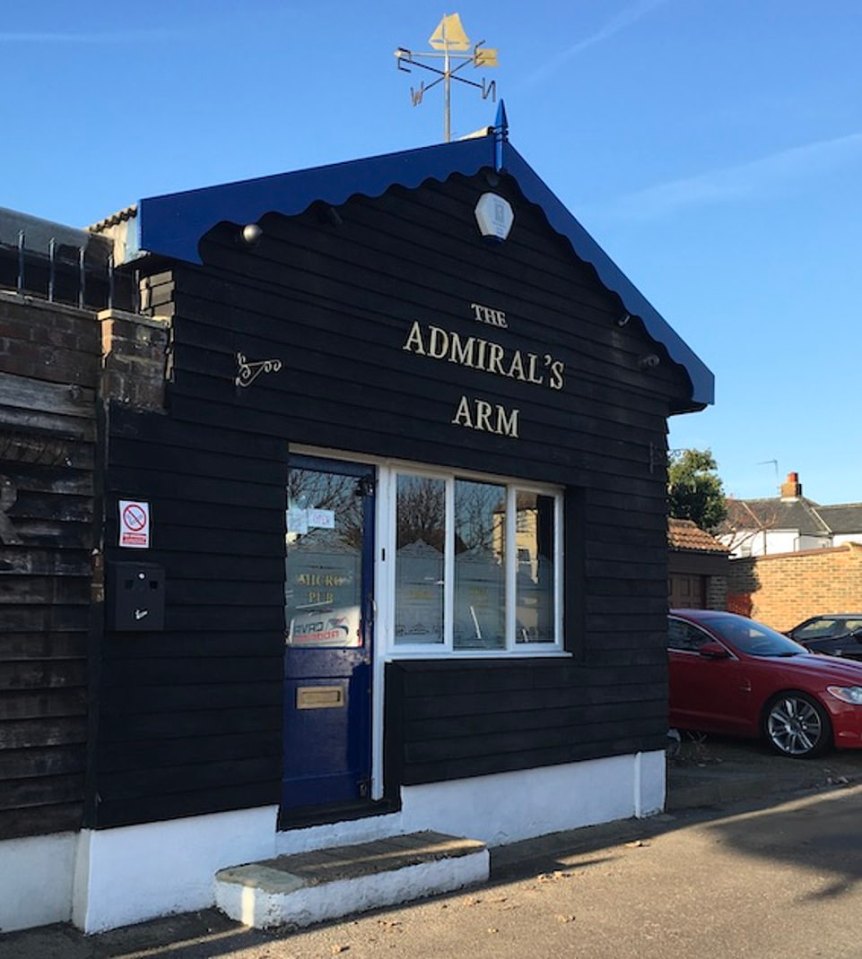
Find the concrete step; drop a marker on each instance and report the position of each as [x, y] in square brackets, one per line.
[311, 887]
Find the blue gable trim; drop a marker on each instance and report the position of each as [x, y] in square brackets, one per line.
[586, 248]
[172, 225]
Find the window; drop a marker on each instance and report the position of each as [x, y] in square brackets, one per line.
[685, 636]
[477, 565]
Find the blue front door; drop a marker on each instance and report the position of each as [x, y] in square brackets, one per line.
[327, 662]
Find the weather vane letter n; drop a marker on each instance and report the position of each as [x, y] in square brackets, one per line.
[451, 45]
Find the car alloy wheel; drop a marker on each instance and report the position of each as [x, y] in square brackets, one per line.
[797, 725]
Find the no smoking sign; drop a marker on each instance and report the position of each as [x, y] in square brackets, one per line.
[134, 524]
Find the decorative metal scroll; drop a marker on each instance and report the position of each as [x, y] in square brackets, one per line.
[250, 371]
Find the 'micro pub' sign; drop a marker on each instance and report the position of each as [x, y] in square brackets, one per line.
[486, 356]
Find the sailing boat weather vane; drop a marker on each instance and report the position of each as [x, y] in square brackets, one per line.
[451, 45]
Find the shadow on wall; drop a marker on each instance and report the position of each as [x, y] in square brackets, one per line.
[743, 583]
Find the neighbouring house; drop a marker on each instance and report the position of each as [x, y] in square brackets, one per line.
[331, 511]
[788, 523]
[697, 567]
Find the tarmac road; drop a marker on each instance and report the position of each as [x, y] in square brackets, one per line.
[778, 877]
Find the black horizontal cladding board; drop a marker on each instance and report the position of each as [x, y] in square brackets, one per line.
[240, 464]
[188, 724]
[180, 671]
[226, 592]
[181, 513]
[187, 550]
[226, 556]
[122, 700]
[201, 776]
[587, 731]
[169, 431]
[415, 774]
[492, 724]
[226, 619]
[41, 820]
[212, 645]
[469, 718]
[148, 753]
[155, 482]
[132, 810]
[531, 699]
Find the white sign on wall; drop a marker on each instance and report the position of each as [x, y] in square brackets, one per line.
[134, 524]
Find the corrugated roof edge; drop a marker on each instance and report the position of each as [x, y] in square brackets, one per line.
[173, 224]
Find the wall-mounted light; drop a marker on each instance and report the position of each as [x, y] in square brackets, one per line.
[495, 216]
[649, 362]
[623, 320]
[250, 234]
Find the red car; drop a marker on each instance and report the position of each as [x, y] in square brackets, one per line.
[732, 675]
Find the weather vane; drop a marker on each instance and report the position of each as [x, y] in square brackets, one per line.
[451, 45]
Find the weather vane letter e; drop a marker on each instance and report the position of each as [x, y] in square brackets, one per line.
[451, 45]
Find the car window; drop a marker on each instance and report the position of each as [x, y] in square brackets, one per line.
[754, 638]
[686, 636]
[853, 625]
[818, 629]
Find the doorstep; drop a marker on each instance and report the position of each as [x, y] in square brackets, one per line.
[311, 887]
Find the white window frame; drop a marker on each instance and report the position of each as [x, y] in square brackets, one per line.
[387, 556]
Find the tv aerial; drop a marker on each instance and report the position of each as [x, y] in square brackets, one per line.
[451, 45]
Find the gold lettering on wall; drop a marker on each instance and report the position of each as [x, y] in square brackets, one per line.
[488, 418]
[485, 356]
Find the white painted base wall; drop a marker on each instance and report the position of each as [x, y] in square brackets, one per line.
[108, 878]
[36, 880]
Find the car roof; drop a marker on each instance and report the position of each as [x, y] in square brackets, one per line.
[833, 616]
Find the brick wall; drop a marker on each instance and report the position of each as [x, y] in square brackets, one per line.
[783, 589]
[716, 592]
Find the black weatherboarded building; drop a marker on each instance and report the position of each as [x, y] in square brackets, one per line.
[391, 555]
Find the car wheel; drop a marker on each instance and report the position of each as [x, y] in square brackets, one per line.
[797, 725]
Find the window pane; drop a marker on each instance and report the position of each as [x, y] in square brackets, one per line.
[323, 586]
[420, 544]
[535, 575]
[480, 550]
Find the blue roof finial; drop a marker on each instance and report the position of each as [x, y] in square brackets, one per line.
[501, 123]
[501, 134]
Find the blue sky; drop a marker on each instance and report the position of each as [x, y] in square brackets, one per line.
[712, 147]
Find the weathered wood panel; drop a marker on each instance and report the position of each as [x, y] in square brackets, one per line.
[48, 376]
